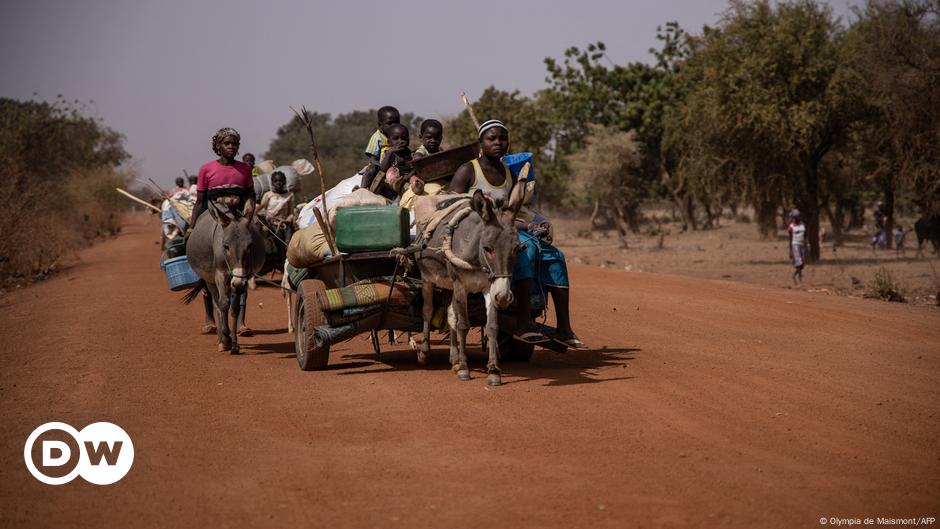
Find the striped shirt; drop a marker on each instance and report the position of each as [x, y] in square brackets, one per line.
[377, 146]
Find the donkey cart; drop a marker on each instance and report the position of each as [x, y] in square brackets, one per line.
[320, 324]
[372, 286]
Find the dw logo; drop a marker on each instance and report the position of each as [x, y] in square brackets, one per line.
[102, 453]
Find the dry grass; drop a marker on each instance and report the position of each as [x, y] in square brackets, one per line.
[41, 226]
[882, 286]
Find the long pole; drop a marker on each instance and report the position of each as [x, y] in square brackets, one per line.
[135, 199]
[304, 116]
[473, 116]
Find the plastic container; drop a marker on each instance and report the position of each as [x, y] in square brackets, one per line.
[515, 162]
[179, 275]
[371, 228]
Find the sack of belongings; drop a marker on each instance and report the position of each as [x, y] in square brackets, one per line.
[307, 247]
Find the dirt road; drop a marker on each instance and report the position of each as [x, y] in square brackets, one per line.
[703, 404]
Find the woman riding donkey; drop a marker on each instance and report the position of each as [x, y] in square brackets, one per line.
[227, 249]
[538, 263]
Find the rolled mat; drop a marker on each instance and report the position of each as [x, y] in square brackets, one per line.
[367, 293]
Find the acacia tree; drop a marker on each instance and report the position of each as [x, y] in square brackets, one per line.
[770, 100]
[608, 170]
[895, 48]
[588, 89]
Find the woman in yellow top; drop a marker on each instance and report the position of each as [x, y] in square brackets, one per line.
[537, 259]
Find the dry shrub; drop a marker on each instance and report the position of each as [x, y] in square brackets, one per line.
[882, 286]
[42, 224]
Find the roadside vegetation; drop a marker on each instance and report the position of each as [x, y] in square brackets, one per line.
[61, 169]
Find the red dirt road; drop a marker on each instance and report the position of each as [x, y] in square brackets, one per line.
[704, 404]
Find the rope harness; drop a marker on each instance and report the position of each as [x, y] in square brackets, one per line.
[462, 210]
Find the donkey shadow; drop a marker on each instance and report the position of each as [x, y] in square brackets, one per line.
[549, 368]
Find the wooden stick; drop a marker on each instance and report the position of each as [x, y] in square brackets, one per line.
[304, 116]
[135, 199]
[473, 116]
[323, 228]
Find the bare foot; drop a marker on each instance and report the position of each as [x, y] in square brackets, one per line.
[245, 331]
[209, 328]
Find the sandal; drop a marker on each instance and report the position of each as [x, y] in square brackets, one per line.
[572, 343]
[531, 337]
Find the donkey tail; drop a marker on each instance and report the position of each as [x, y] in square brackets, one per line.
[194, 292]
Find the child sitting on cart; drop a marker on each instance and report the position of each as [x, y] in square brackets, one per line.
[432, 135]
[388, 177]
[379, 144]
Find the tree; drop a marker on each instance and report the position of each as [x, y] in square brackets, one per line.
[895, 49]
[588, 89]
[60, 171]
[769, 99]
[608, 170]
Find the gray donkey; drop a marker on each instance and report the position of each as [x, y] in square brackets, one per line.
[471, 248]
[225, 249]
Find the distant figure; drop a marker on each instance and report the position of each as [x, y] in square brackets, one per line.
[899, 234]
[249, 159]
[277, 205]
[192, 185]
[881, 235]
[797, 233]
[180, 186]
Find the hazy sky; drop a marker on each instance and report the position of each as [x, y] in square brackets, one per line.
[168, 74]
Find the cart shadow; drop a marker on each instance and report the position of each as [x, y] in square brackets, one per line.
[546, 367]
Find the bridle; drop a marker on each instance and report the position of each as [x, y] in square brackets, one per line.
[447, 243]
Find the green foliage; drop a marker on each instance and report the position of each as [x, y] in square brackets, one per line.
[52, 139]
[768, 98]
[895, 50]
[61, 169]
[341, 143]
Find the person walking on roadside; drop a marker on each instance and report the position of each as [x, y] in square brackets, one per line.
[797, 234]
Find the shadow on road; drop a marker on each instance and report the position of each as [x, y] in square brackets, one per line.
[552, 369]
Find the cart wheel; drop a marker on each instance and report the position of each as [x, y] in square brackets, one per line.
[310, 354]
[512, 350]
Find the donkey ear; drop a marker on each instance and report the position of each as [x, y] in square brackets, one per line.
[517, 196]
[481, 205]
[218, 215]
[249, 208]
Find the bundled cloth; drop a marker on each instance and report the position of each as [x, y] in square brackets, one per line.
[307, 247]
[369, 292]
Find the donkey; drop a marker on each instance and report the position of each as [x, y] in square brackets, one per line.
[225, 249]
[472, 249]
